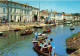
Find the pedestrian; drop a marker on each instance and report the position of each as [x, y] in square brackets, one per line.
[24, 20]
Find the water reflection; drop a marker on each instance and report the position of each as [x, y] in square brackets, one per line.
[12, 44]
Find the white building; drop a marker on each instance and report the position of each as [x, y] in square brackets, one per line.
[18, 12]
[67, 16]
[3, 11]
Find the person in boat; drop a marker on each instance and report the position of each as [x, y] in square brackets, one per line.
[49, 45]
[36, 35]
[41, 44]
[44, 35]
[71, 27]
[39, 34]
[45, 43]
[53, 47]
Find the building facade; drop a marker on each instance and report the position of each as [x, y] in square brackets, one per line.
[68, 16]
[19, 12]
[3, 12]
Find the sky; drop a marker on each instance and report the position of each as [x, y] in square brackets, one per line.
[67, 6]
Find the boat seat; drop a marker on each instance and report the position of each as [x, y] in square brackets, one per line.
[45, 50]
[38, 47]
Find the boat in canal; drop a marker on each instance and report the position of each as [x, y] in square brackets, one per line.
[37, 26]
[27, 32]
[42, 36]
[1, 33]
[47, 30]
[45, 51]
[17, 29]
[71, 28]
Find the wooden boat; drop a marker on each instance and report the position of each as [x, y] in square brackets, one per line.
[39, 51]
[46, 31]
[17, 29]
[72, 29]
[1, 33]
[26, 32]
[37, 26]
[42, 36]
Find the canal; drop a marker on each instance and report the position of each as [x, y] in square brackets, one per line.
[12, 44]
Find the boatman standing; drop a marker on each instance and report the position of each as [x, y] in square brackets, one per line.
[36, 35]
[53, 47]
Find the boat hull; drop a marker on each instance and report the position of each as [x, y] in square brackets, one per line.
[71, 29]
[39, 51]
[1, 34]
[17, 30]
[37, 27]
[46, 31]
[27, 33]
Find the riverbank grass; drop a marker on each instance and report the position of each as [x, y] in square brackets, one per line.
[73, 37]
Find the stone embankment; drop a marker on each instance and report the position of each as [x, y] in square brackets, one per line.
[73, 45]
[20, 25]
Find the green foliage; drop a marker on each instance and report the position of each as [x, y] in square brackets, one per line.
[67, 39]
[63, 12]
[74, 35]
[35, 15]
[42, 17]
[76, 14]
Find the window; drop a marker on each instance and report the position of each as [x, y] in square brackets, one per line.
[3, 10]
[28, 12]
[3, 17]
[11, 17]
[10, 9]
[15, 10]
[15, 18]
[25, 11]
[15, 4]
[25, 6]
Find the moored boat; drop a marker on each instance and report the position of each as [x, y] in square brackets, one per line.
[26, 32]
[37, 26]
[1, 33]
[17, 29]
[47, 30]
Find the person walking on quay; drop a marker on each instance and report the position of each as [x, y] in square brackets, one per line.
[36, 35]
[24, 20]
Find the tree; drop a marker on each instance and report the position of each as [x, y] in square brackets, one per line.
[42, 17]
[63, 12]
[76, 14]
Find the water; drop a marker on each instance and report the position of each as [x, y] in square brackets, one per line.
[12, 44]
